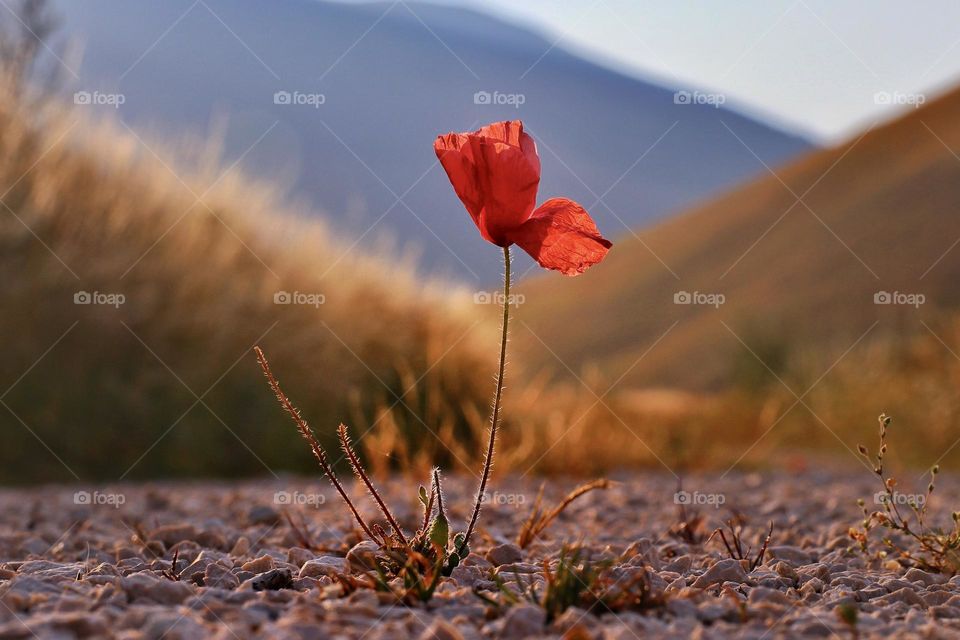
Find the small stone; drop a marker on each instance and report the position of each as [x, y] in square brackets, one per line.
[298, 555]
[259, 565]
[441, 630]
[362, 557]
[786, 570]
[679, 565]
[728, 570]
[682, 608]
[468, 576]
[793, 555]
[263, 514]
[522, 621]
[504, 554]
[241, 547]
[171, 534]
[272, 580]
[323, 566]
[944, 611]
[919, 575]
[518, 567]
[145, 586]
[217, 575]
[907, 596]
[764, 594]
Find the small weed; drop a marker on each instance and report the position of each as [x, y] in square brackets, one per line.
[926, 547]
[409, 568]
[735, 546]
[539, 519]
[581, 583]
[689, 527]
[173, 573]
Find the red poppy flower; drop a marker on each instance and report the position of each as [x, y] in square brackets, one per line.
[496, 172]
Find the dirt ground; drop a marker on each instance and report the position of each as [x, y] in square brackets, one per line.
[262, 559]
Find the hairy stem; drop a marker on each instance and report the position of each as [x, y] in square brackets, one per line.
[436, 483]
[311, 439]
[358, 469]
[495, 419]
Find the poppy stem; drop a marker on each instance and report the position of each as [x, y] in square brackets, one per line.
[495, 420]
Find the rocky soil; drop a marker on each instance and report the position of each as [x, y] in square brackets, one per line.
[261, 559]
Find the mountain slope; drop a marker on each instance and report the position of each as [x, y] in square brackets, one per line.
[393, 76]
[878, 214]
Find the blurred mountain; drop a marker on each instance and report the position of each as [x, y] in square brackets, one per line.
[377, 82]
[808, 257]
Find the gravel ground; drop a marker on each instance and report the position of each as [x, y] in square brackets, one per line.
[257, 559]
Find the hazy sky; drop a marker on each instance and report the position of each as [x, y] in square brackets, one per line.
[815, 64]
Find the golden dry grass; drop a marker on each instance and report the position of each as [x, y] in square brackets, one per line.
[92, 208]
[877, 213]
[408, 362]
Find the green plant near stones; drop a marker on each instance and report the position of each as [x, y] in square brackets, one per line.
[576, 581]
[910, 540]
[849, 615]
[417, 562]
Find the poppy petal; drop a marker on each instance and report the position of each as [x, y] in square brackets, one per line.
[495, 172]
[561, 235]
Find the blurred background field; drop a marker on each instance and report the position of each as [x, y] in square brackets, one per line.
[769, 292]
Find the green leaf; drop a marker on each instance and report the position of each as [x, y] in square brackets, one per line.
[440, 531]
[423, 496]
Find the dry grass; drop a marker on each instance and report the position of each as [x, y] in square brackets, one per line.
[198, 254]
[891, 198]
[412, 359]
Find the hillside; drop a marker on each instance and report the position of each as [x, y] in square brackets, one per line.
[132, 297]
[878, 213]
[392, 77]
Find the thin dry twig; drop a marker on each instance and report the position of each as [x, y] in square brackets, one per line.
[311, 439]
[539, 521]
[345, 444]
[735, 548]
